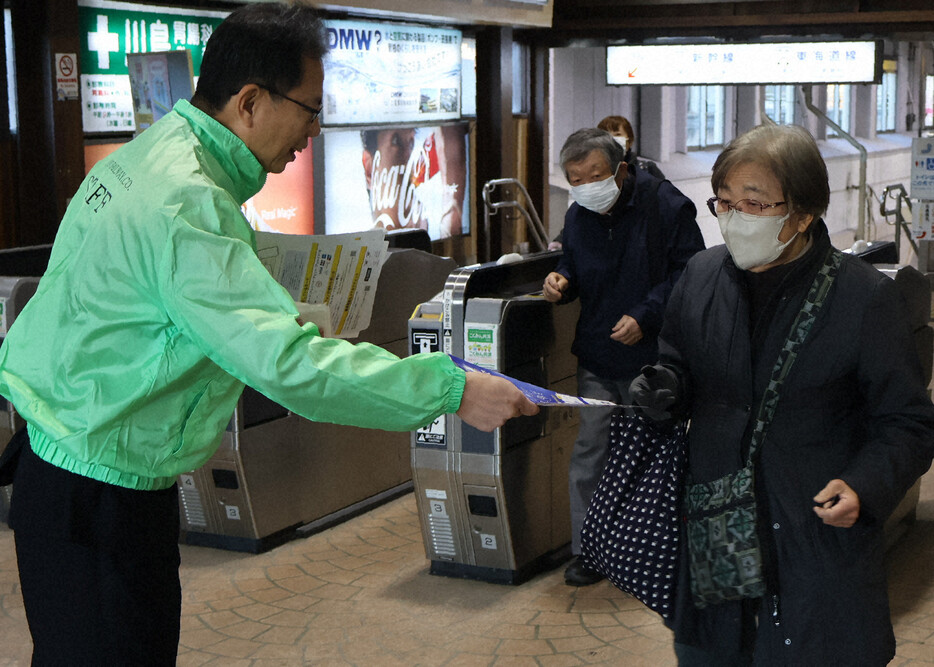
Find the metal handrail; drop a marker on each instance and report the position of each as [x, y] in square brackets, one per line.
[532, 220]
[901, 198]
[863, 157]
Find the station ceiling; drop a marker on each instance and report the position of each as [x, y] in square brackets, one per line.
[592, 22]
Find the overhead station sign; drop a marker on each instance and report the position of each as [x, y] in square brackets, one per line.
[737, 64]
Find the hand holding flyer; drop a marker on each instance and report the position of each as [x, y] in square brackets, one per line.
[339, 271]
[536, 394]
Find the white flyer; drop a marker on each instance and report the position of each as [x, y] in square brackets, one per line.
[339, 270]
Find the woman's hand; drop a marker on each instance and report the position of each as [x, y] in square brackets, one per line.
[837, 504]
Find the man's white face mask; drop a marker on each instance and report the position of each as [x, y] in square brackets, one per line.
[598, 196]
[753, 239]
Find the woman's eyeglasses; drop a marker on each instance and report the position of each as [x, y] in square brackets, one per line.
[718, 205]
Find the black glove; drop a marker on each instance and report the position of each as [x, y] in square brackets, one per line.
[656, 391]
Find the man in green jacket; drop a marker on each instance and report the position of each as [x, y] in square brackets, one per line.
[153, 314]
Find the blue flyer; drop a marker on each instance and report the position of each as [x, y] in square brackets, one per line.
[536, 394]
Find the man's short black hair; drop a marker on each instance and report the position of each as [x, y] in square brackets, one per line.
[259, 43]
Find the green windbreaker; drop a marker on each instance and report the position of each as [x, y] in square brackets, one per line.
[154, 311]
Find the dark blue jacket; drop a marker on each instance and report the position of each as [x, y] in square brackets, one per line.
[607, 262]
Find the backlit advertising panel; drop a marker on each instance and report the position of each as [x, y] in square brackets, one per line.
[402, 177]
[286, 202]
[390, 73]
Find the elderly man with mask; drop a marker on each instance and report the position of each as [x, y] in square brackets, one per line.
[627, 238]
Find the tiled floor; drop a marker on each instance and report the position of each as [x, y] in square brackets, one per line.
[360, 594]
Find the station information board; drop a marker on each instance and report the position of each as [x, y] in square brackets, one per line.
[758, 64]
[922, 168]
[157, 81]
[111, 30]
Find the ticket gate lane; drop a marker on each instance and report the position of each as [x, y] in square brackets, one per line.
[494, 506]
[277, 476]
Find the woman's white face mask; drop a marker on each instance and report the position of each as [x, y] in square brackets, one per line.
[598, 196]
[753, 239]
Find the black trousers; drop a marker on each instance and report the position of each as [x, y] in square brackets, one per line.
[98, 566]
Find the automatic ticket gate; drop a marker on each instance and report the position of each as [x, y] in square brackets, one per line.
[916, 290]
[494, 506]
[14, 293]
[277, 476]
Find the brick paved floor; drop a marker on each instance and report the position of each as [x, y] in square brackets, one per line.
[359, 594]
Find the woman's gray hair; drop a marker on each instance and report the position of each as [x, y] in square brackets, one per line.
[580, 144]
[791, 154]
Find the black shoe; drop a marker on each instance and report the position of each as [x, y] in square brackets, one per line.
[578, 574]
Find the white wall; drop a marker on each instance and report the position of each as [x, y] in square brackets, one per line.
[580, 98]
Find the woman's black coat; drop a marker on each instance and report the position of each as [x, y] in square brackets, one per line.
[854, 407]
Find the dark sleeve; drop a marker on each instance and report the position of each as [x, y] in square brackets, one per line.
[567, 265]
[900, 436]
[680, 240]
[670, 348]
[653, 169]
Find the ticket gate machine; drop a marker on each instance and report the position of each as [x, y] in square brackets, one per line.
[494, 506]
[14, 293]
[277, 476]
[916, 289]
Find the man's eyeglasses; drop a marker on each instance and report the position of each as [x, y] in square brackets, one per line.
[717, 205]
[313, 111]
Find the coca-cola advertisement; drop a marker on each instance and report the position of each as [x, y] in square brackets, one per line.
[398, 178]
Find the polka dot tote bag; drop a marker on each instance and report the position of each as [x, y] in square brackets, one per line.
[630, 534]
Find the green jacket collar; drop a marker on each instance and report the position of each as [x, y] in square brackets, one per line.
[246, 174]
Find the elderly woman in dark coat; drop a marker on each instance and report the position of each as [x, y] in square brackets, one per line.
[853, 430]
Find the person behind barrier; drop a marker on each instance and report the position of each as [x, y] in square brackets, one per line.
[852, 430]
[621, 129]
[153, 313]
[627, 238]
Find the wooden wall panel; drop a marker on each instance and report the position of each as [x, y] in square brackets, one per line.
[49, 149]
